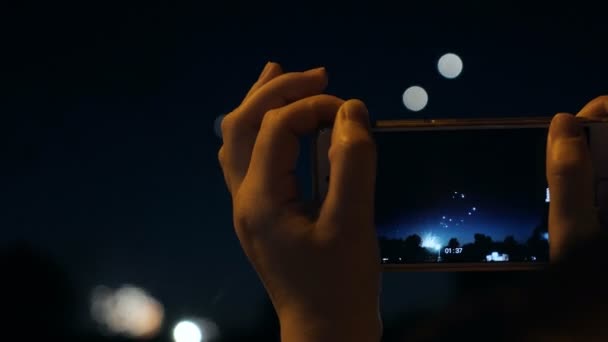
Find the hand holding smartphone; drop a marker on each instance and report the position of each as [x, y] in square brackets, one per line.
[465, 194]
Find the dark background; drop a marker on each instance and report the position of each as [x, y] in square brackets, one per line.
[109, 169]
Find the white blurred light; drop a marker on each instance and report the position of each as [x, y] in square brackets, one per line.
[450, 65]
[187, 331]
[217, 126]
[431, 241]
[128, 310]
[415, 98]
[548, 196]
[195, 330]
[494, 256]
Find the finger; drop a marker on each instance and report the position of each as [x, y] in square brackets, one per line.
[352, 158]
[572, 213]
[596, 108]
[240, 128]
[275, 154]
[270, 71]
[281, 91]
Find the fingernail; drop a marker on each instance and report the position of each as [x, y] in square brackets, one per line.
[355, 110]
[565, 126]
[316, 70]
[266, 69]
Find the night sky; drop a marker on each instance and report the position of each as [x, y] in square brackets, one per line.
[455, 184]
[107, 111]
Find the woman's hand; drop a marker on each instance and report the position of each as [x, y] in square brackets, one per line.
[322, 271]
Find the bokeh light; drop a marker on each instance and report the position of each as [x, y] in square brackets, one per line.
[195, 329]
[450, 65]
[128, 311]
[187, 331]
[415, 98]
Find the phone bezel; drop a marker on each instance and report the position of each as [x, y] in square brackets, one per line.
[321, 146]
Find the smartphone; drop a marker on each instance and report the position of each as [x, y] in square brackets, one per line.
[461, 195]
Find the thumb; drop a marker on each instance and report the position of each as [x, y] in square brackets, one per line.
[572, 213]
[352, 160]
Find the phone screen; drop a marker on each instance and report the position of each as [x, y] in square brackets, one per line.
[469, 195]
